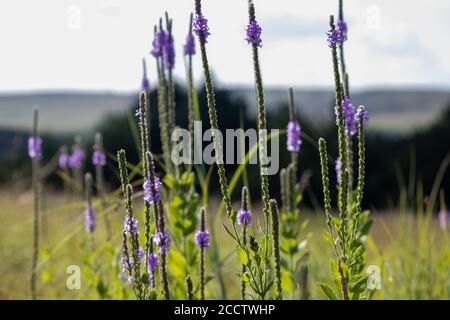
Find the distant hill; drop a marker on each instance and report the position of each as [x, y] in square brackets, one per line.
[396, 111]
[66, 112]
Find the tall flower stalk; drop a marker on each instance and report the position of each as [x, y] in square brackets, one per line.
[245, 219]
[189, 51]
[293, 132]
[344, 234]
[169, 64]
[131, 253]
[144, 105]
[162, 238]
[202, 241]
[89, 214]
[334, 40]
[276, 247]
[159, 41]
[201, 29]
[99, 161]
[35, 153]
[76, 162]
[254, 39]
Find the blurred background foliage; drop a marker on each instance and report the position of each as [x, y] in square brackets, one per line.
[394, 161]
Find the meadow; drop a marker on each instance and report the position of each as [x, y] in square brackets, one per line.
[168, 228]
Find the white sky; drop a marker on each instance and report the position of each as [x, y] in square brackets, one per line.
[402, 42]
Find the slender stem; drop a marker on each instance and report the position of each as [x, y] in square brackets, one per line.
[189, 288]
[36, 203]
[361, 169]
[343, 189]
[276, 247]
[100, 184]
[214, 125]
[163, 116]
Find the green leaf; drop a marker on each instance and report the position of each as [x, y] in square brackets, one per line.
[177, 201]
[287, 281]
[328, 291]
[169, 180]
[177, 264]
[298, 198]
[366, 227]
[328, 238]
[243, 255]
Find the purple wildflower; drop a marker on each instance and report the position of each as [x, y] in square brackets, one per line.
[334, 38]
[244, 216]
[148, 191]
[200, 26]
[152, 262]
[152, 265]
[131, 225]
[361, 114]
[140, 254]
[99, 158]
[76, 158]
[163, 240]
[443, 219]
[293, 136]
[342, 27]
[35, 147]
[63, 160]
[89, 218]
[338, 170]
[349, 116]
[169, 52]
[254, 33]
[189, 47]
[202, 239]
[158, 43]
[145, 85]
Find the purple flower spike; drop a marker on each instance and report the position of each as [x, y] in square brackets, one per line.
[200, 26]
[169, 53]
[99, 158]
[342, 27]
[140, 253]
[158, 43]
[189, 47]
[76, 158]
[202, 239]
[334, 38]
[130, 225]
[152, 262]
[293, 136]
[338, 170]
[63, 160]
[163, 240]
[254, 33]
[244, 216]
[443, 219]
[361, 114]
[145, 84]
[35, 147]
[89, 218]
[152, 266]
[148, 192]
[349, 116]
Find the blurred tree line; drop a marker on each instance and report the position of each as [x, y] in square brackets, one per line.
[393, 163]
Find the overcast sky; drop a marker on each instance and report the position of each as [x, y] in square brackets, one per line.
[99, 44]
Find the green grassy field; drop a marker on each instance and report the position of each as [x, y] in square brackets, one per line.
[412, 252]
